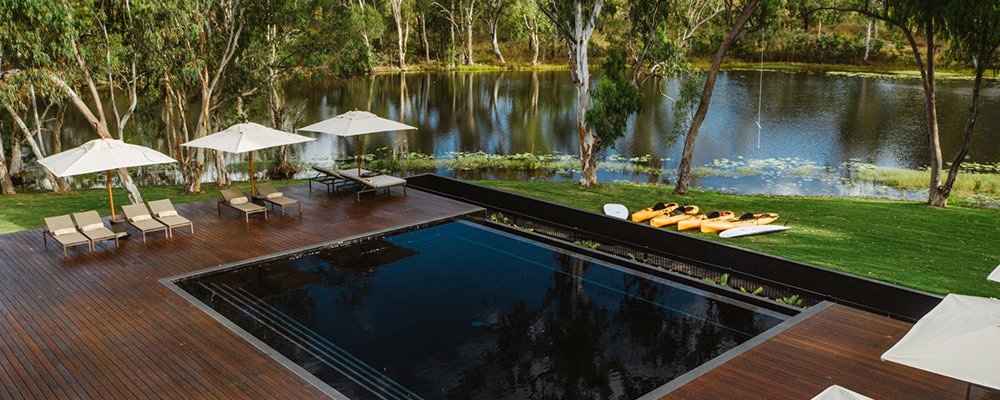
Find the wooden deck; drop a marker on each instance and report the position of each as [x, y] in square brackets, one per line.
[837, 346]
[103, 326]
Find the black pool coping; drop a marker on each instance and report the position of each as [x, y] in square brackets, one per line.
[171, 283]
[867, 294]
[734, 352]
[718, 292]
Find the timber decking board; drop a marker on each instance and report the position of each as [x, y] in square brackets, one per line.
[837, 346]
[103, 326]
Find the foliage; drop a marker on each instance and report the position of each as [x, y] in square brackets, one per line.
[615, 98]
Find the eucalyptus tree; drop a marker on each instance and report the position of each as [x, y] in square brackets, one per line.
[736, 27]
[396, 7]
[201, 38]
[575, 21]
[970, 27]
[533, 22]
[84, 40]
[494, 12]
[615, 98]
[296, 39]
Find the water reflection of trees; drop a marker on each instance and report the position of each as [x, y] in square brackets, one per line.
[581, 343]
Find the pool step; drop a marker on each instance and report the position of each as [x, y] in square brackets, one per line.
[317, 346]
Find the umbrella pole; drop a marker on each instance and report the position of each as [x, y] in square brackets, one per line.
[251, 174]
[357, 141]
[111, 196]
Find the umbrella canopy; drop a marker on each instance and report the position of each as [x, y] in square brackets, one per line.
[995, 275]
[354, 123]
[102, 155]
[839, 393]
[247, 137]
[960, 339]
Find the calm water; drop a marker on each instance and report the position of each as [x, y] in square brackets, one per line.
[823, 119]
[462, 311]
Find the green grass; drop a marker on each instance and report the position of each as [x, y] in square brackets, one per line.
[907, 243]
[27, 210]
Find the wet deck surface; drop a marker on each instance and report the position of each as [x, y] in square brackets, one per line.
[103, 326]
[837, 346]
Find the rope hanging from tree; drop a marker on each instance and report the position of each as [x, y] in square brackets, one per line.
[760, 95]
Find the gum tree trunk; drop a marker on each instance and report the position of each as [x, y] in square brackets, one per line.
[6, 185]
[684, 169]
[577, 34]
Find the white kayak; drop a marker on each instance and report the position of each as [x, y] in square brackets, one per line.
[752, 230]
[616, 210]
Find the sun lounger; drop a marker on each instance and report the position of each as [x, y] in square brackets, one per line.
[138, 216]
[163, 211]
[269, 194]
[374, 183]
[91, 225]
[61, 229]
[234, 198]
[328, 177]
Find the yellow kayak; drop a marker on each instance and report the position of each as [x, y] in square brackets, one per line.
[697, 220]
[674, 216]
[744, 220]
[654, 211]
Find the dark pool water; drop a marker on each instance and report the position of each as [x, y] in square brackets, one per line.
[462, 311]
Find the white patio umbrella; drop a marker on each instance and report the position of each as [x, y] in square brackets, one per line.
[839, 393]
[960, 339]
[995, 275]
[102, 155]
[247, 137]
[354, 123]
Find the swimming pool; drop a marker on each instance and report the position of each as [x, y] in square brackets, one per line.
[460, 310]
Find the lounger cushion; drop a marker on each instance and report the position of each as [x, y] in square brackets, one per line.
[146, 225]
[174, 220]
[64, 231]
[239, 200]
[144, 217]
[92, 227]
[249, 207]
[72, 238]
[169, 213]
[383, 181]
[273, 195]
[283, 201]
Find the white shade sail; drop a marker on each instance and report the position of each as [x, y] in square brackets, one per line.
[995, 275]
[353, 123]
[241, 138]
[960, 339]
[839, 393]
[101, 155]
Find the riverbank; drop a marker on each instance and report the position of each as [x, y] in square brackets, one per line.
[890, 71]
[907, 243]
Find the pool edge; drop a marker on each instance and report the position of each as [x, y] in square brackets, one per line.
[734, 352]
[171, 283]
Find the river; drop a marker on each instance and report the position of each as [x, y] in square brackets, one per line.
[810, 119]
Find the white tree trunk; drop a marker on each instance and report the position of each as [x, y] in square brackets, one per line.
[868, 38]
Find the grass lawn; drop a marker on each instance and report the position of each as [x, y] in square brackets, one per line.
[907, 243]
[27, 210]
